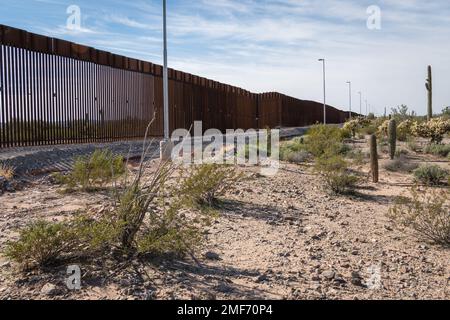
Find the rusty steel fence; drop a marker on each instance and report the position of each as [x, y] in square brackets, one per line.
[58, 92]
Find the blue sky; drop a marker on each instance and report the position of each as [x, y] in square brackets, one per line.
[271, 45]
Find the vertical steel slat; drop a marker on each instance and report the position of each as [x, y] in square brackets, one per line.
[2, 101]
[34, 91]
[70, 101]
[65, 99]
[28, 98]
[78, 101]
[8, 96]
[16, 99]
[89, 100]
[20, 116]
[49, 98]
[56, 98]
[122, 104]
[85, 104]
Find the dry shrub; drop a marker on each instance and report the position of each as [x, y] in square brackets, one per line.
[7, 171]
[337, 177]
[294, 151]
[425, 211]
[94, 171]
[207, 182]
[440, 150]
[400, 164]
[431, 175]
[41, 243]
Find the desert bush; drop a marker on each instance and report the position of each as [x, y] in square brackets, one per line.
[383, 129]
[7, 171]
[400, 164]
[338, 179]
[412, 144]
[435, 129]
[369, 129]
[41, 243]
[404, 130]
[207, 182]
[324, 140]
[430, 174]
[358, 157]
[441, 150]
[401, 152]
[427, 212]
[294, 151]
[94, 171]
[355, 125]
[295, 157]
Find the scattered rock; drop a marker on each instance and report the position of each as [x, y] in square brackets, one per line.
[357, 280]
[212, 256]
[224, 288]
[262, 278]
[329, 275]
[49, 290]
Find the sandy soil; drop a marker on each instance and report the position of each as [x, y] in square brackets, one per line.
[281, 237]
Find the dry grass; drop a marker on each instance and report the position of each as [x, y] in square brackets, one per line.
[7, 171]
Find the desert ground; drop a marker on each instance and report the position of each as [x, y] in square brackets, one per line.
[280, 237]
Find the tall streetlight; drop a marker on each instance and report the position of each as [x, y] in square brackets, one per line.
[360, 103]
[324, 93]
[166, 145]
[350, 97]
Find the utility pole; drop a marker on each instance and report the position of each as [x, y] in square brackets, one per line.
[324, 94]
[350, 97]
[166, 145]
[360, 103]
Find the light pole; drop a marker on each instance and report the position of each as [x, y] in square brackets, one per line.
[360, 103]
[166, 145]
[324, 93]
[350, 97]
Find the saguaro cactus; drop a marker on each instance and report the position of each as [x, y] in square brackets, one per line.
[429, 86]
[374, 158]
[392, 138]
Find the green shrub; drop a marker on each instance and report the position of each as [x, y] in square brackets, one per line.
[427, 212]
[41, 243]
[441, 150]
[430, 174]
[206, 183]
[369, 130]
[94, 171]
[294, 151]
[338, 179]
[358, 156]
[324, 140]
